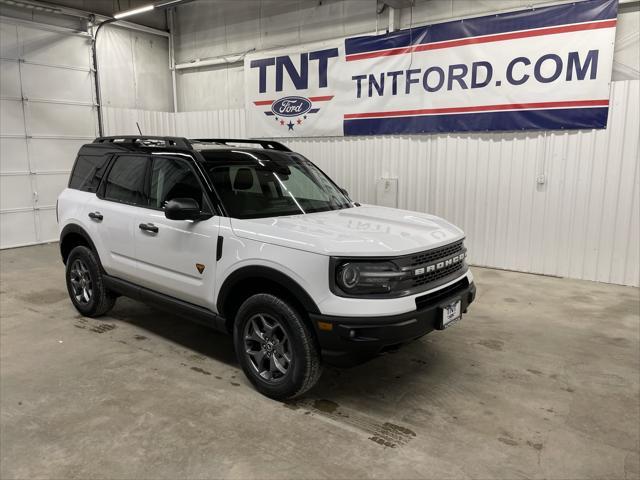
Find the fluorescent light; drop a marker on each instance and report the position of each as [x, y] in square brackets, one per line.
[135, 11]
[167, 3]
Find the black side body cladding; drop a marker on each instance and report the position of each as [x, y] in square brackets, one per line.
[72, 228]
[188, 310]
[260, 272]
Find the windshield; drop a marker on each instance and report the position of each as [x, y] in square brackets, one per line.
[256, 185]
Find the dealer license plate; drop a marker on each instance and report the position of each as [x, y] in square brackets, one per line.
[451, 313]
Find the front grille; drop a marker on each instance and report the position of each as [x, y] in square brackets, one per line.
[437, 253]
[431, 279]
[437, 275]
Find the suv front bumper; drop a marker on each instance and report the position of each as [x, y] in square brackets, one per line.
[347, 341]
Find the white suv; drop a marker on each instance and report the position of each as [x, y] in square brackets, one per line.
[249, 237]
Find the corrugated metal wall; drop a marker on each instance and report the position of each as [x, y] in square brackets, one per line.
[582, 222]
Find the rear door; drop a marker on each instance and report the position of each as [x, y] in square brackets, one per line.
[113, 213]
[176, 257]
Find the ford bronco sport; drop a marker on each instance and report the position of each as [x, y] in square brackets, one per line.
[253, 239]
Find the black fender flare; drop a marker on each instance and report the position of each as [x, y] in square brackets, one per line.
[73, 228]
[270, 274]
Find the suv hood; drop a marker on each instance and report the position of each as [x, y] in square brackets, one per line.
[361, 231]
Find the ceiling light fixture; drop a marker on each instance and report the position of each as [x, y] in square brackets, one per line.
[168, 3]
[135, 11]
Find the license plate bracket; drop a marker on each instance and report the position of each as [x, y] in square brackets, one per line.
[450, 313]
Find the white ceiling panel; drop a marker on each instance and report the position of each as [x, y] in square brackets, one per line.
[60, 84]
[65, 120]
[11, 117]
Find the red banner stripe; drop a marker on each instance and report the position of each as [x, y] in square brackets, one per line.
[324, 98]
[489, 38]
[480, 108]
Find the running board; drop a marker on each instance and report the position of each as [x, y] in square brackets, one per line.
[184, 309]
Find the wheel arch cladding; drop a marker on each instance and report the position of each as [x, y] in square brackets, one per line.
[250, 280]
[73, 235]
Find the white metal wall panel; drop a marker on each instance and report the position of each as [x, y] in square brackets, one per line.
[49, 47]
[122, 121]
[17, 228]
[9, 79]
[61, 85]
[134, 69]
[11, 117]
[218, 123]
[46, 112]
[13, 152]
[582, 222]
[9, 40]
[54, 156]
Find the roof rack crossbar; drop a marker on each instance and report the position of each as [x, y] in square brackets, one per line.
[266, 144]
[178, 142]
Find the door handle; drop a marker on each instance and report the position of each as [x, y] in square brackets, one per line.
[148, 227]
[96, 216]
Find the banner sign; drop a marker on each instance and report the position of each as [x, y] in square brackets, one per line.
[544, 68]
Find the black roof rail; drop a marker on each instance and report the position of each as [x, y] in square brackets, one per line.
[177, 142]
[266, 144]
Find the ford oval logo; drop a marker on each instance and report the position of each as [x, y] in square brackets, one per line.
[291, 106]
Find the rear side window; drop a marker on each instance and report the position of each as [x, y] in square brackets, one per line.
[88, 172]
[125, 183]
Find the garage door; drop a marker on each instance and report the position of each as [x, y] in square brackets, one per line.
[46, 112]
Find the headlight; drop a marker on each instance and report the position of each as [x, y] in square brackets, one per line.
[361, 278]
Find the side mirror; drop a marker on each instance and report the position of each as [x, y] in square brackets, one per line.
[184, 209]
[345, 193]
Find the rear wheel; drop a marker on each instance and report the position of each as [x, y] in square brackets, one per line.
[275, 348]
[85, 283]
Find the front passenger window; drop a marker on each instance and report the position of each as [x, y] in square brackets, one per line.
[172, 179]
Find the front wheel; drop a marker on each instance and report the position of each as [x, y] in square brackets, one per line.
[275, 347]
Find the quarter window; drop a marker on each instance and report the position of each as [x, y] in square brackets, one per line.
[125, 182]
[88, 172]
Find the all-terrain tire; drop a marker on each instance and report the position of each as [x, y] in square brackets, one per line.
[83, 273]
[305, 366]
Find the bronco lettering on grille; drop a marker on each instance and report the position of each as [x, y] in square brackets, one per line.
[434, 267]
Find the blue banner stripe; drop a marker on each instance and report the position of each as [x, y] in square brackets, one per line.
[553, 119]
[584, 11]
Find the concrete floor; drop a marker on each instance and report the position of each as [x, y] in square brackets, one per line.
[539, 380]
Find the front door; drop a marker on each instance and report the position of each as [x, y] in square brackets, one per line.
[176, 257]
